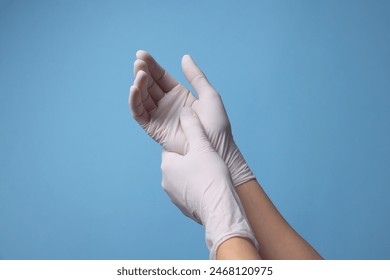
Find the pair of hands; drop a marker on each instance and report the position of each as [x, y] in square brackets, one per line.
[201, 164]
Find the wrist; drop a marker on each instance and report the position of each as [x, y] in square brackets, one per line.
[225, 220]
[237, 248]
[238, 167]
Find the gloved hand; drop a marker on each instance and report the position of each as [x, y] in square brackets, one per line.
[199, 184]
[156, 100]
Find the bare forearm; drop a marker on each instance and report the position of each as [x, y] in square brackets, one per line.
[237, 248]
[277, 239]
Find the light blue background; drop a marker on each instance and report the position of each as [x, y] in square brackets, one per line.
[305, 84]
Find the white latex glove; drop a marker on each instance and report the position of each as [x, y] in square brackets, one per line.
[156, 100]
[199, 184]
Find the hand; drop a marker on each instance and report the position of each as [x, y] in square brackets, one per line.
[199, 184]
[156, 100]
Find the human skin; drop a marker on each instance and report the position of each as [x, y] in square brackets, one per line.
[277, 239]
[237, 248]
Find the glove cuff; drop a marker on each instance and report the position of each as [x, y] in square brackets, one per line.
[227, 220]
[243, 233]
[239, 169]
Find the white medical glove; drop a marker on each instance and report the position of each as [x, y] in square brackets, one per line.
[199, 184]
[156, 100]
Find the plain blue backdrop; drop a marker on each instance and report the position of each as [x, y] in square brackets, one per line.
[306, 85]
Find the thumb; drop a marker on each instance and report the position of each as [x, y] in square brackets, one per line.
[193, 130]
[196, 77]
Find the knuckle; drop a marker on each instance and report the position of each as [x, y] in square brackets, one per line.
[198, 78]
